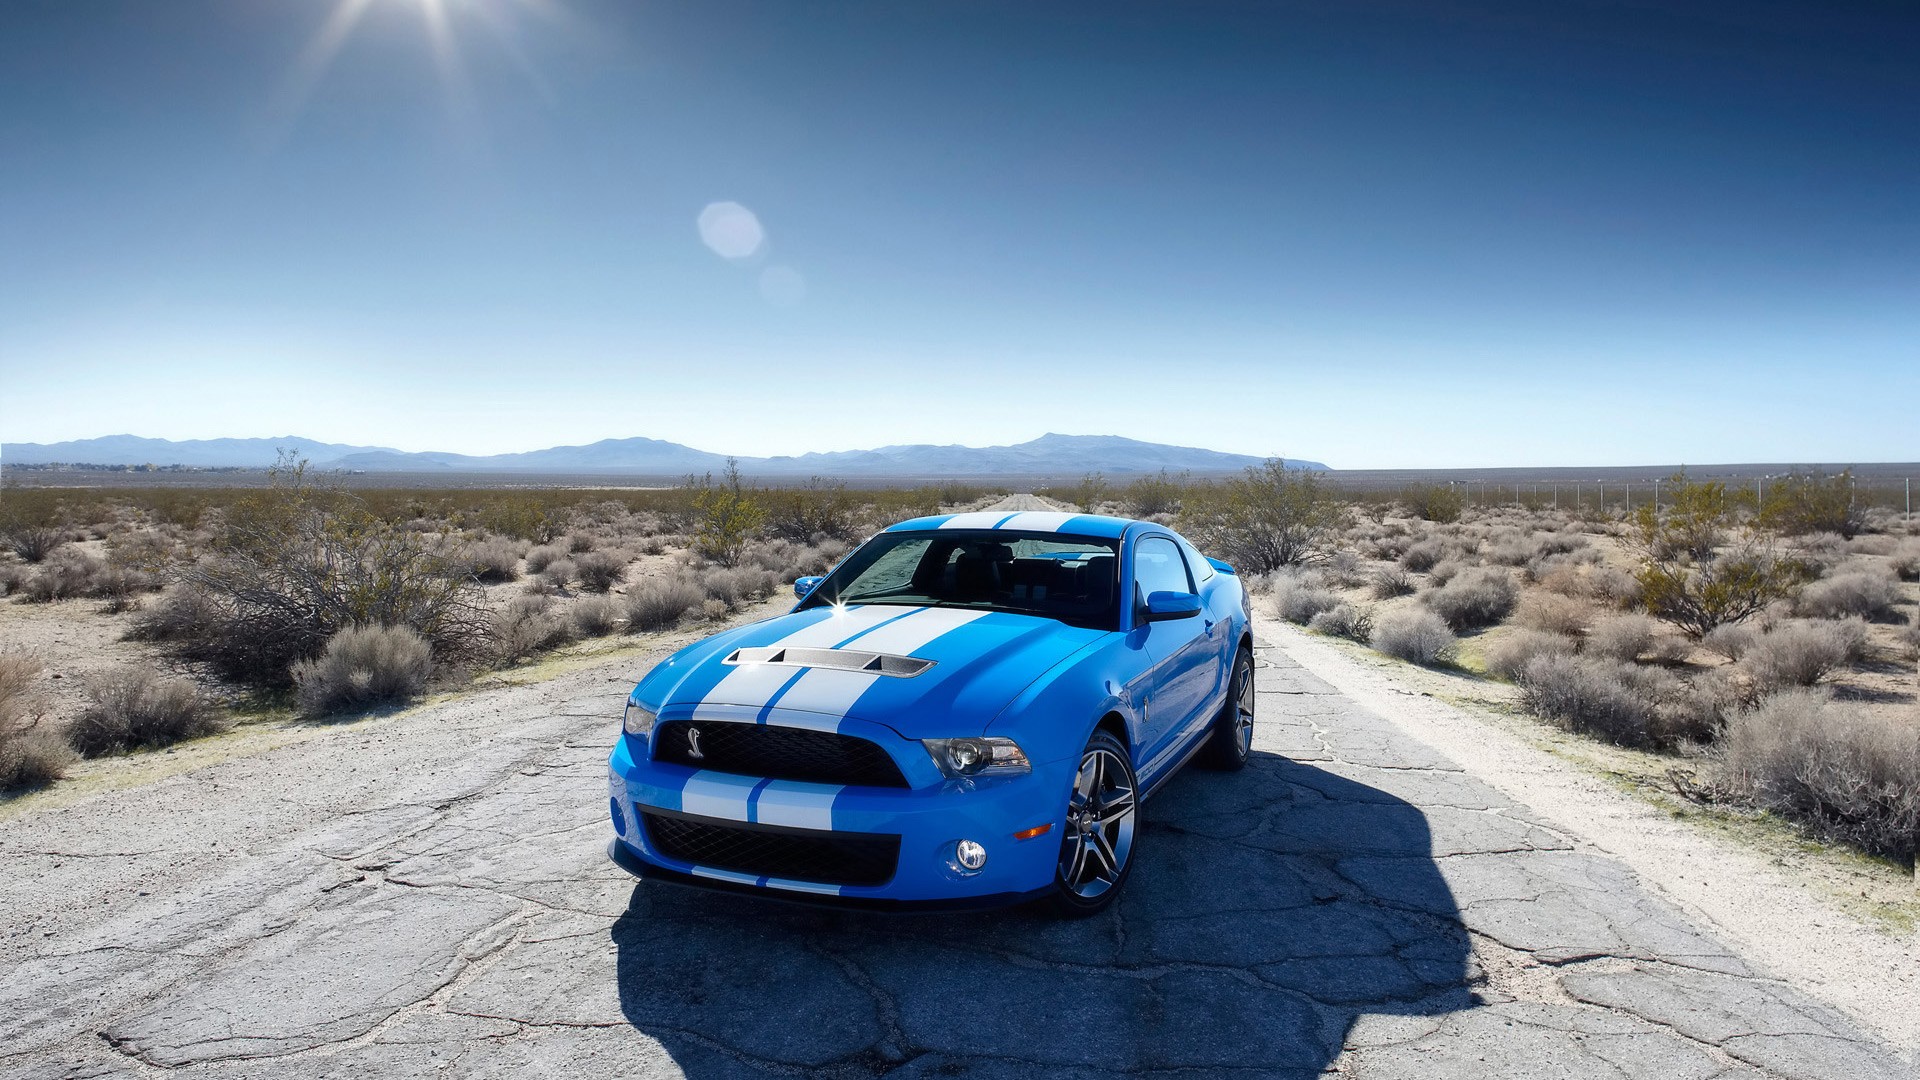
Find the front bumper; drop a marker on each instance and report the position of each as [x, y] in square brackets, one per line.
[928, 821]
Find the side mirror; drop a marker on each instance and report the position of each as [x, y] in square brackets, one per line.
[1162, 606]
[805, 585]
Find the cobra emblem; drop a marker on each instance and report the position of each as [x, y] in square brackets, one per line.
[693, 744]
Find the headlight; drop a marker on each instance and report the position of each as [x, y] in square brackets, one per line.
[977, 757]
[637, 721]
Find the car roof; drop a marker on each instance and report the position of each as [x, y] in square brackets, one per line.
[1042, 521]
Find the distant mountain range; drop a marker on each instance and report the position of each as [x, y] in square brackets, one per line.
[1048, 455]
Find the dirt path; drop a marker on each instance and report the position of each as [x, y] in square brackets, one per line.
[428, 896]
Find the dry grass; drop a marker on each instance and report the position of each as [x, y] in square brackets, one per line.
[364, 666]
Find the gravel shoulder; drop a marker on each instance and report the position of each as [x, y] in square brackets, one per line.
[1774, 917]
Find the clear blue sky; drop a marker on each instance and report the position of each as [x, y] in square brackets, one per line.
[1375, 234]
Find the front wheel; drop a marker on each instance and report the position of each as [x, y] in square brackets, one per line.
[1232, 738]
[1096, 854]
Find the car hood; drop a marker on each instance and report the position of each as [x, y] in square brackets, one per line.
[979, 662]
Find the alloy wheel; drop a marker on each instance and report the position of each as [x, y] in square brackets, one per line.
[1100, 823]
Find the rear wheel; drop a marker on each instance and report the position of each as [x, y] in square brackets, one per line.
[1096, 854]
[1232, 738]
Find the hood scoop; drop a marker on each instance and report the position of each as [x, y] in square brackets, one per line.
[900, 667]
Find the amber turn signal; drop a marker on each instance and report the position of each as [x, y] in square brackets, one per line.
[1037, 830]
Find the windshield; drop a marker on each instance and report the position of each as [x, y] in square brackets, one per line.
[1070, 578]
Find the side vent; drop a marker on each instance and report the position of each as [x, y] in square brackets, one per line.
[899, 667]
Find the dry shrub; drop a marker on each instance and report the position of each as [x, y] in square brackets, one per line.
[31, 755]
[1872, 545]
[1798, 654]
[32, 543]
[135, 709]
[1298, 597]
[492, 561]
[1554, 613]
[13, 577]
[527, 625]
[363, 666]
[1909, 637]
[539, 558]
[714, 608]
[1622, 637]
[579, 543]
[1479, 596]
[600, 571]
[1345, 620]
[598, 616]
[1850, 776]
[1423, 556]
[1415, 635]
[1391, 582]
[1509, 655]
[736, 585]
[653, 545]
[1671, 649]
[64, 575]
[1608, 699]
[1732, 640]
[658, 604]
[295, 565]
[1905, 560]
[1445, 570]
[557, 574]
[1858, 592]
[1343, 569]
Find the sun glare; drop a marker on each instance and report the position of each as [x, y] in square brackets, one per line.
[442, 22]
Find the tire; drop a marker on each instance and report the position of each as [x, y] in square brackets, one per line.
[1096, 853]
[1232, 739]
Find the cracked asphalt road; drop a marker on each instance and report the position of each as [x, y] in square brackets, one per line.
[427, 895]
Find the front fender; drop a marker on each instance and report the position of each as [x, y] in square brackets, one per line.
[1055, 715]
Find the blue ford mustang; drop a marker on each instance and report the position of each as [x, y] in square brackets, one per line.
[966, 712]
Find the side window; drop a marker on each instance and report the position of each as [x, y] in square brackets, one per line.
[1202, 569]
[1157, 567]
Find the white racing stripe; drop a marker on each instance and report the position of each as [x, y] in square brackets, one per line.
[1039, 521]
[717, 795]
[796, 804]
[833, 691]
[753, 684]
[976, 520]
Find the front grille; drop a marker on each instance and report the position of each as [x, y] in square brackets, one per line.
[783, 753]
[830, 858]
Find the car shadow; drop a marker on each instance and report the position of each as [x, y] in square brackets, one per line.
[1268, 911]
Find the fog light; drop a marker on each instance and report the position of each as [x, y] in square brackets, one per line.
[968, 856]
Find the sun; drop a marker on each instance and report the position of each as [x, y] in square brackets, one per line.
[497, 20]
